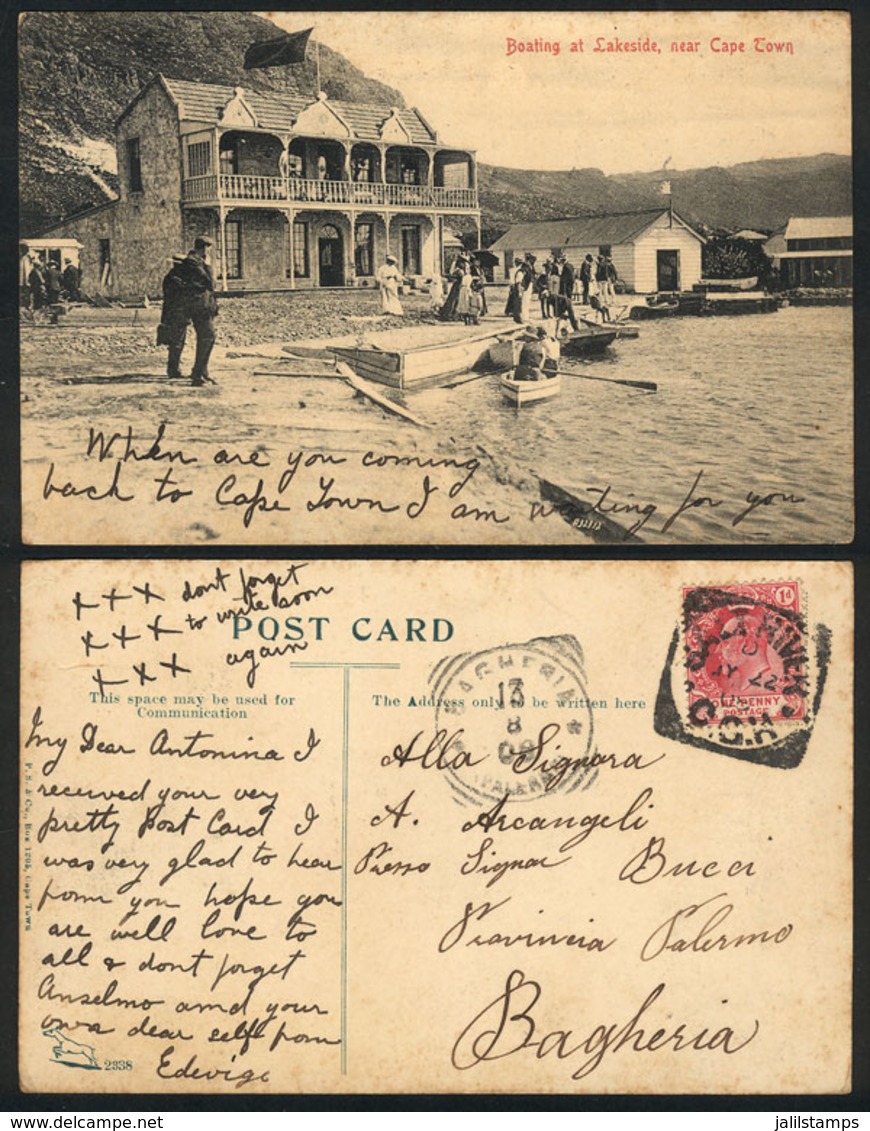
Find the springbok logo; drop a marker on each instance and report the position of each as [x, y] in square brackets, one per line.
[67, 1051]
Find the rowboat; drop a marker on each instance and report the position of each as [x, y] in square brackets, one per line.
[521, 393]
[655, 310]
[589, 339]
[430, 362]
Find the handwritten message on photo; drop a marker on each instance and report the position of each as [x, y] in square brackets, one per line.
[427, 278]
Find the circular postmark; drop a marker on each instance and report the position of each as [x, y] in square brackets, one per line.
[522, 714]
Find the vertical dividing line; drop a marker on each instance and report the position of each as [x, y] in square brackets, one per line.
[344, 792]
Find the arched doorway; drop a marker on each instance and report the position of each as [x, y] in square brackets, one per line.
[330, 256]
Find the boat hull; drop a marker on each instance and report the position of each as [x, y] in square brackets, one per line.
[419, 366]
[660, 310]
[590, 339]
[521, 393]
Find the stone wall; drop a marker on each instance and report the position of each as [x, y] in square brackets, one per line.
[143, 228]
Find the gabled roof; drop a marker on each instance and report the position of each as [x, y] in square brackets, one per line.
[584, 231]
[277, 113]
[818, 227]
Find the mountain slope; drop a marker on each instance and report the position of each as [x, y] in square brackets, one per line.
[78, 71]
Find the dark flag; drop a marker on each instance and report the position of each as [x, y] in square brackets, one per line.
[281, 52]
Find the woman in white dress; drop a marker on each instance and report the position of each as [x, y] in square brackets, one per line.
[388, 282]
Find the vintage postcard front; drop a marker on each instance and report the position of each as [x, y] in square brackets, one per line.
[436, 278]
[436, 827]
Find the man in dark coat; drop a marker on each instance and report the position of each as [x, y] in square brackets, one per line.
[53, 284]
[36, 285]
[71, 280]
[200, 305]
[172, 330]
[586, 277]
[566, 292]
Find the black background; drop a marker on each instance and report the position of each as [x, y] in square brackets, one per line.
[12, 553]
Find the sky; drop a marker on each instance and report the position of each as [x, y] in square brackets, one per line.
[619, 111]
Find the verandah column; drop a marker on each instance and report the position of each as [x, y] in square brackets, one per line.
[223, 241]
[291, 243]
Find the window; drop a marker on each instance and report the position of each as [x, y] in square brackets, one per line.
[299, 250]
[233, 230]
[105, 263]
[364, 249]
[229, 159]
[199, 159]
[134, 165]
[410, 173]
[411, 250]
[605, 249]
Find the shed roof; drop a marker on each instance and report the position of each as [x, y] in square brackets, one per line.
[818, 227]
[203, 102]
[583, 231]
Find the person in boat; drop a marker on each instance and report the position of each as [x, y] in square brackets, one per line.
[450, 310]
[565, 295]
[388, 284]
[539, 358]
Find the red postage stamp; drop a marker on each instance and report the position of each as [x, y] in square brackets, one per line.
[746, 655]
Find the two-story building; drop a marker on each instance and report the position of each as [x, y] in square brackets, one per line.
[817, 251]
[295, 192]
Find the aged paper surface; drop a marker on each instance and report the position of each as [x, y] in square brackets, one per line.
[429, 826]
[695, 431]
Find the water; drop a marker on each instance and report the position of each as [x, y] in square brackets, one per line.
[759, 403]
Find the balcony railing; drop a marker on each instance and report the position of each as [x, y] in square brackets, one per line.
[245, 187]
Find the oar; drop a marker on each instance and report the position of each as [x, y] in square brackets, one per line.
[650, 386]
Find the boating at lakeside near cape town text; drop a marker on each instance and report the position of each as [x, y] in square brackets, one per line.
[644, 45]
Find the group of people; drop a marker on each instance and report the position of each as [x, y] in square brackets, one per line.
[189, 297]
[466, 295]
[43, 285]
[556, 285]
[466, 298]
